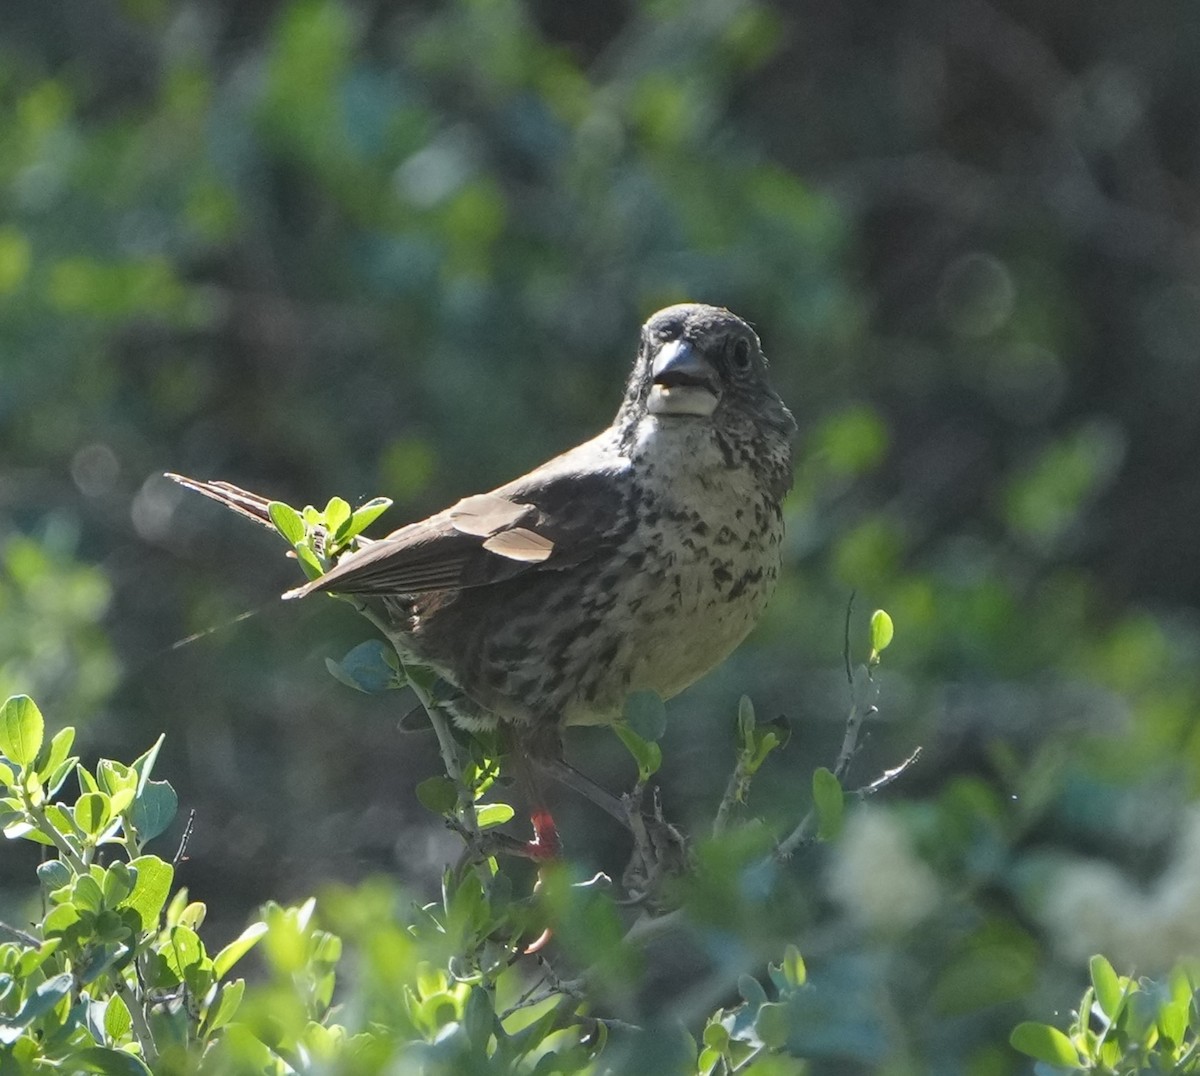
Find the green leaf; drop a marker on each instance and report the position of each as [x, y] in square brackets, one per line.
[492, 814]
[830, 802]
[366, 514]
[646, 754]
[118, 884]
[438, 794]
[43, 999]
[53, 874]
[117, 1021]
[144, 764]
[882, 631]
[479, 1018]
[238, 948]
[55, 753]
[21, 729]
[287, 521]
[1045, 1043]
[225, 1008]
[1108, 988]
[93, 812]
[752, 992]
[154, 809]
[87, 894]
[110, 1062]
[793, 967]
[183, 950]
[60, 920]
[150, 889]
[773, 1024]
[371, 668]
[646, 714]
[337, 514]
[54, 780]
[308, 561]
[716, 1035]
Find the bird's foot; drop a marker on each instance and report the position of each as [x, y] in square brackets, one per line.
[660, 851]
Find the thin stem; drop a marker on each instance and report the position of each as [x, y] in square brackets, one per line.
[18, 935]
[137, 1018]
[733, 793]
[888, 776]
[38, 813]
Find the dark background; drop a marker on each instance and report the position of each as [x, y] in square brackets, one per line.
[325, 248]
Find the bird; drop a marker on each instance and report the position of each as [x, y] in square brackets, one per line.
[636, 561]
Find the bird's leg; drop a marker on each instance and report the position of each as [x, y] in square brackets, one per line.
[545, 844]
[567, 775]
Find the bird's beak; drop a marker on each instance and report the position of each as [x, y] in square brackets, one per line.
[684, 382]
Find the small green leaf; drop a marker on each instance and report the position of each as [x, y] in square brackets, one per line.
[117, 1021]
[93, 811]
[716, 1036]
[793, 967]
[371, 668]
[646, 714]
[154, 809]
[1045, 1043]
[150, 889]
[751, 990]
[87, 894]
[479, 1018]
[43, 999]
[55, 753]
[646, 754]
[287, 521]
[337, 514]
[492, 814]
[53, 874]
[308, 561]
[21, 730]
[438, 794]
[118, 884]
[830, 802]
[56, 777]
[144, 764]
[1107, 986]
[773, 1024]
[183, 950]
[882, 631]
[225, 1008]
[366, 514]
[238, 948]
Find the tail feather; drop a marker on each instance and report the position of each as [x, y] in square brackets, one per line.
[251, 505]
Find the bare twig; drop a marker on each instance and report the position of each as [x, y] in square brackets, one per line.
[184, 840]
[19, 935]
[846, 640]
[888, 776]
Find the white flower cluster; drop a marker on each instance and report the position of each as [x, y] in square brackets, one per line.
[1091, 907]
[878, 877]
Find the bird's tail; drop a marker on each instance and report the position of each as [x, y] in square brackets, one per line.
[245, 503]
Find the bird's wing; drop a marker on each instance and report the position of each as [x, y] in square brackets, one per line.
[550, 519]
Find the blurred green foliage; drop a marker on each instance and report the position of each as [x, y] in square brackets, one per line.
[320, 247]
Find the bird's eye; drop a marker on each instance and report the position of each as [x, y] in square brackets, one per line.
[741, 354]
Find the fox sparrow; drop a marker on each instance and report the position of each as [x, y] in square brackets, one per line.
[637, 561]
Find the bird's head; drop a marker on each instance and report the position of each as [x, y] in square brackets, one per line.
[702, 363]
